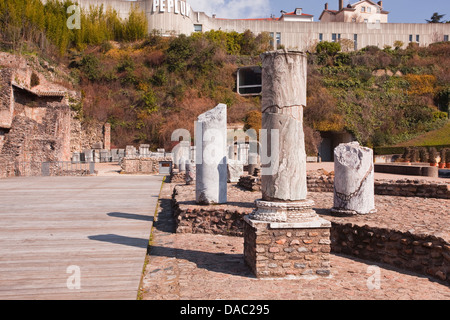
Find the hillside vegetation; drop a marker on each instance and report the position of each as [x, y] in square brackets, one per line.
[146, 86]
[383, 97]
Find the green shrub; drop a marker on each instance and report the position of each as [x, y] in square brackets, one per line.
[34, 80]
[90, 65]
[328, 48]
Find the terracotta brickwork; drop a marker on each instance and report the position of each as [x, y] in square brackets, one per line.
[287, 252]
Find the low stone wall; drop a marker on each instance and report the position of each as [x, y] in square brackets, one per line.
[317, 181]
[421, 253]
[142, 165]
[212, 219]
[412, 188]
[411, 170]
[177, 177]
[250, 183]
[322, 181]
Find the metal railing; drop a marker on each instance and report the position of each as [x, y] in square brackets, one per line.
[53, 168]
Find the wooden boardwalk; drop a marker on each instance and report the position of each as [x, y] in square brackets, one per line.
[75, 237]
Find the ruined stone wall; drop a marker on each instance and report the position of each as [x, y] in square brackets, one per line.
[31, 140]
[219, 221]
[6, 98]
[34, 125]
[6, 166]
[148, 165]
[421, 253]
[324, 182]
[413, 188]
[85, 135]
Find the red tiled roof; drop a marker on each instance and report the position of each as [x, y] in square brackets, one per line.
[270, 19]
[293, 14]
[262, 19]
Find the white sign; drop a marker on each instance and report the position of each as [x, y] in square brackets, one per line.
[175, 6]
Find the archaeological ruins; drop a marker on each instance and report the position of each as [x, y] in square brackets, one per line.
[292, 219]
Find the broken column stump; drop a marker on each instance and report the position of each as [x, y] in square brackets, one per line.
[353, 180]
[211, 156]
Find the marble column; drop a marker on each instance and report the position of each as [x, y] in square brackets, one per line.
[211, 156]
[283, 99]
[283, 171]
[353, 179]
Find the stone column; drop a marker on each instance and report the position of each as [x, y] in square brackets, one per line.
[144, 150]
[284, 236]
[189, 175]
[107, 136]
[283, 99]
[253, 163]
[182, 165]
[211, 156]
[353, 179]
[283, 178]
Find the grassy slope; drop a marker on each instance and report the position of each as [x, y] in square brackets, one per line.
[433, 138]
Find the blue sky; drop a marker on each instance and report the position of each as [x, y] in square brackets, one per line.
[400, 11]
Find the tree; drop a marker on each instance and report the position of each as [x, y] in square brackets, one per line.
[398, 44]
[329, 48]
[436, 18]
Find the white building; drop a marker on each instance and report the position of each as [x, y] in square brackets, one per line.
[364, 23]
[362, 11]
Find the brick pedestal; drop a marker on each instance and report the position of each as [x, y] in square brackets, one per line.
[283, 249]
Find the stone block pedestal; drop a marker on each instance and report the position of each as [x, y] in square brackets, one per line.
[287, 249]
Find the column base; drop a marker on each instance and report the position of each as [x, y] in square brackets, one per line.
[348, 212]
[274, 211]
[288, 249]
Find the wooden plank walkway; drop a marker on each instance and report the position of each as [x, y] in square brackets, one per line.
[53, 229]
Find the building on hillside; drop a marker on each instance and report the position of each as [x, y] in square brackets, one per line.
[364, 11]
[296, 16]
[293, 30]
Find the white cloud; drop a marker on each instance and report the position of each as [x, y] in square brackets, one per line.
[233, 9]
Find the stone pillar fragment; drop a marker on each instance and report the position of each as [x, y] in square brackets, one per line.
[235, 170]
[211, 156]
[144, 150]
[189, 175]
[107, 136]
[353, 180]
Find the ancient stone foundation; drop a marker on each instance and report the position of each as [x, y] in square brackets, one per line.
[148, 165]
[321, 181]
[421, 253]
[426, 251]
[287, 249]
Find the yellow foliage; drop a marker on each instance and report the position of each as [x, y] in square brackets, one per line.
[253, 120]
[421, 84]
[334, 122]
[143, 86]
